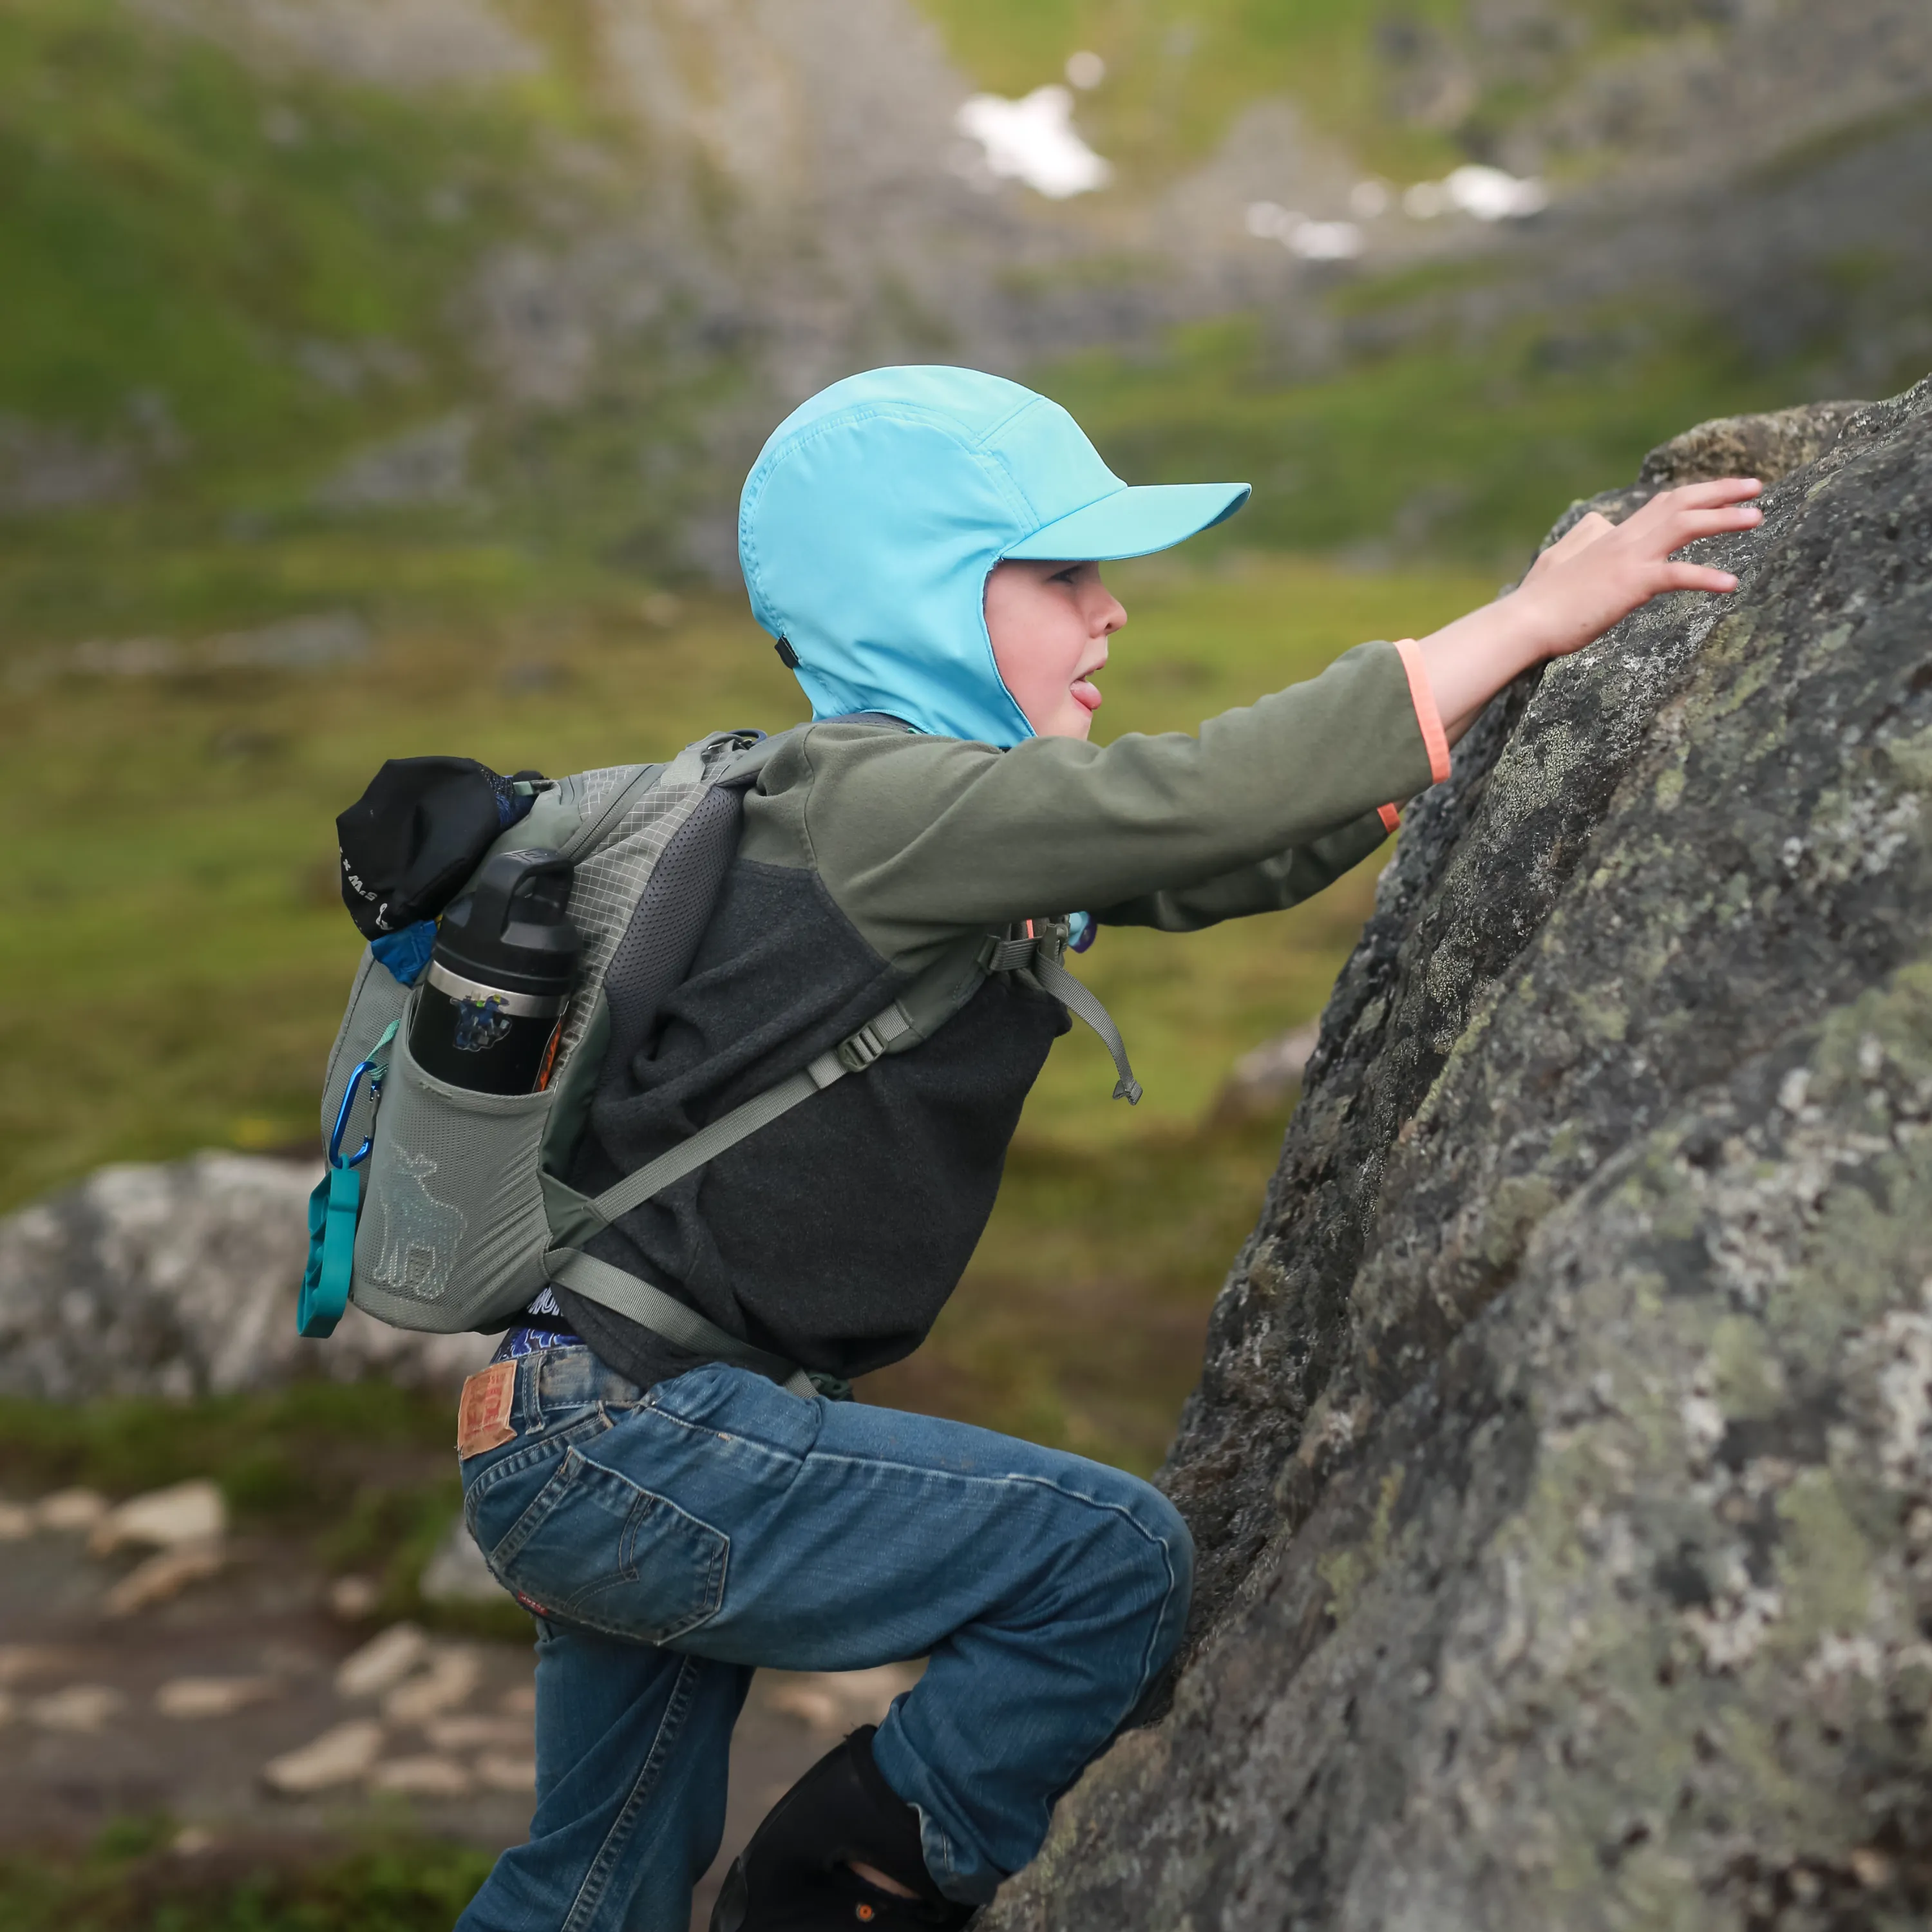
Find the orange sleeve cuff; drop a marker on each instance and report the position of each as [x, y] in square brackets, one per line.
[1434, 739]
[1390, 816]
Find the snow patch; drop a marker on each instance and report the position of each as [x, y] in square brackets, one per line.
[1489, 194]
[1032, 140]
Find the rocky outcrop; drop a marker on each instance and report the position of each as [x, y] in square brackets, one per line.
[1561, 1466]
[180, 1280]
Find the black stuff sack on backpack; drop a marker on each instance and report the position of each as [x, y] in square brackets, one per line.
[422, 828]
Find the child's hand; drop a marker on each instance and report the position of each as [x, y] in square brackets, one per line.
[1597, 575]
[1599, 572]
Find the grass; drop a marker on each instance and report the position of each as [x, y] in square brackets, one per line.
[131, 1880]
[284, 1456]
[166, 213]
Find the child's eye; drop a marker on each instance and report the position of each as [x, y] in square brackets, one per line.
[1066, 576]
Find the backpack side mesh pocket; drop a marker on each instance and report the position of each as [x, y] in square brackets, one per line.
[453, 1228]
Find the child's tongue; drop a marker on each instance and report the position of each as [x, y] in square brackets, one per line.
[1086, 692]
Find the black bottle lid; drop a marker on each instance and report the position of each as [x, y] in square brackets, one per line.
[509, 932]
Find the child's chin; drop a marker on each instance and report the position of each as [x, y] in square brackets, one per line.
[1070, 721]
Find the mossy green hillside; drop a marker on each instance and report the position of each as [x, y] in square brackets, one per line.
[1179, 72]
[241, 281]
[224, 283]
[174, 225]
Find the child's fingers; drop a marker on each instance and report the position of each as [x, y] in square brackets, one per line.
[1667, 505]
[1696, 577]
[1688, 525]
[1707, 496]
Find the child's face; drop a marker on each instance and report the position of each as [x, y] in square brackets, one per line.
[1049, 623]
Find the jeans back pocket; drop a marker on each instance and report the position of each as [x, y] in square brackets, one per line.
[595, 1548]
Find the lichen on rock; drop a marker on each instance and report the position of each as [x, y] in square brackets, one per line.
[1561, 1465]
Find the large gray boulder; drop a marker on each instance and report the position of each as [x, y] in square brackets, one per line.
[180, 1280]
[1561, 1466]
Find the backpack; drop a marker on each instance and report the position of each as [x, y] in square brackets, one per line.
[446, 1210]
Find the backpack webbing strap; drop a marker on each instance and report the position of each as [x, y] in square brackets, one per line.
[917, 1014]
[1054, 978]
[664, 1315]
[1038, 955]
[852, 1055]
[924, 1006]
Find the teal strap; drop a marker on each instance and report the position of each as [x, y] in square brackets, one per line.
[664, 1315]
[333, 1209]
[335, 1206]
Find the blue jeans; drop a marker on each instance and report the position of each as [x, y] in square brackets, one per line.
[669, 1541]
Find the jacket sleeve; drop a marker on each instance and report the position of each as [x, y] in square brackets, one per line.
[915, 837]
[1269, 886]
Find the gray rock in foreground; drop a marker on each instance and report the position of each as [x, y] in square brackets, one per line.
[180, 1280]
[1562, 1463]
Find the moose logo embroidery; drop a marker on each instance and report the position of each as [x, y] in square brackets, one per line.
[420, 1234]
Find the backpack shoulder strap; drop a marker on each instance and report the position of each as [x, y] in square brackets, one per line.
[744, 768]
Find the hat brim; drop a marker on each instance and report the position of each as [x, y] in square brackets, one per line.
[1135, 522]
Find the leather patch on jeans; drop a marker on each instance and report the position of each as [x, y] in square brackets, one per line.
[483, 1415]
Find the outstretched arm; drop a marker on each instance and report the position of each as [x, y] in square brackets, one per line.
[1268, 885]
[1597, 573]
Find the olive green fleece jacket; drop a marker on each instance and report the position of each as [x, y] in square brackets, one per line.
[916, 837]
[832, 1236]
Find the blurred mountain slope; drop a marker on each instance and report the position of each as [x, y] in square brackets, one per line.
[289, 261]
[465, 291]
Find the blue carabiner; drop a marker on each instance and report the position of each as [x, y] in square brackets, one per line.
[361, 1153]
[375, 1069]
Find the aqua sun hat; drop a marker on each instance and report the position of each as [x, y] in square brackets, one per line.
[875, 512]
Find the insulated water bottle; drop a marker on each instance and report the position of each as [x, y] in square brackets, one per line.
[492, 1003]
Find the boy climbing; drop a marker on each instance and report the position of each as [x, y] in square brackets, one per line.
[924, 545]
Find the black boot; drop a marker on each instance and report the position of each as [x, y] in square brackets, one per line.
[796, 1874]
